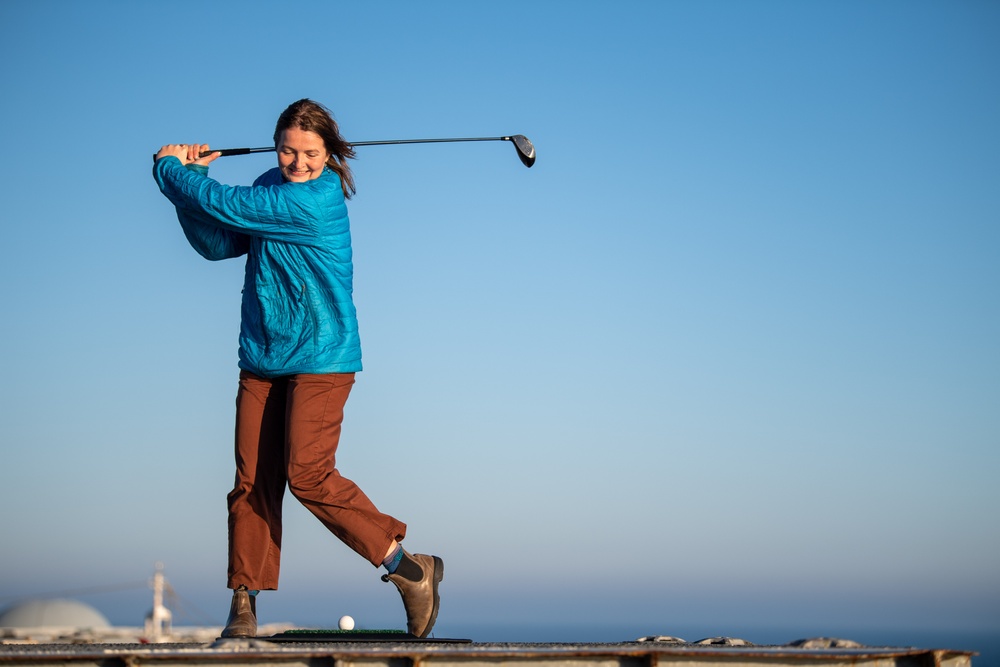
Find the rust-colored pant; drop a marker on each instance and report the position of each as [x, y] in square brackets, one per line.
[287, 431]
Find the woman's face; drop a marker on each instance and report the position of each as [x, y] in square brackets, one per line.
[301, 155]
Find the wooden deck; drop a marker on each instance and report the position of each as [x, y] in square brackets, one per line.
[259, 652]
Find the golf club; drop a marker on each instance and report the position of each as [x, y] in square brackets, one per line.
[525, 150]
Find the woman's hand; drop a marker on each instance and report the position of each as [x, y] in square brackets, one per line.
[187, 153]
[194, 154]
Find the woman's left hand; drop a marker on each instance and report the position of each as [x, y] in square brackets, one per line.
[179, 151]
[187, 153]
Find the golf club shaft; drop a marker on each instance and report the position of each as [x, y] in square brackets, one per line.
[265, 149]
[524, 147]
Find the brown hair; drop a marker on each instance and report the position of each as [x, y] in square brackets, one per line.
[314, 117]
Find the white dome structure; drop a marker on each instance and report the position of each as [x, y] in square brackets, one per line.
[52, 614]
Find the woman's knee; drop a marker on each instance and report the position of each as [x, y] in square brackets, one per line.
[306, 483]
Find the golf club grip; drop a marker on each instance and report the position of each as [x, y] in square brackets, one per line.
[232, 151]
[237, 151]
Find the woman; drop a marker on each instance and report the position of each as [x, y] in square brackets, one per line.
[299, 351]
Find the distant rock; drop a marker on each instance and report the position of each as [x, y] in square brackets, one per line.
[824, 642]
[723, 641]
[52, 614]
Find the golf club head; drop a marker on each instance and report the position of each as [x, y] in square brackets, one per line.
[525, 149]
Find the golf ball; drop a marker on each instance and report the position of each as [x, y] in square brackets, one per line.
[346, 623]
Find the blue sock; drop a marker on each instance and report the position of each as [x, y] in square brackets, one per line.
[392, 562]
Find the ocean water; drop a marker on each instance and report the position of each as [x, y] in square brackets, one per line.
[985, 642]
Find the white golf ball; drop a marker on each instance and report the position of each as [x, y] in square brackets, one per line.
[346, 623]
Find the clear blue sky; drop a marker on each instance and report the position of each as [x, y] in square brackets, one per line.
[727, 357]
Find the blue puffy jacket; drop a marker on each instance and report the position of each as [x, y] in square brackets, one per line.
[298, 313]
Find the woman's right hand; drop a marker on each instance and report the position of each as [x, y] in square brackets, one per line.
[194, 155]
[187, 153]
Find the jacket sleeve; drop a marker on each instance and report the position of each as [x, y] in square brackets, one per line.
[293, 213]
[210, 241]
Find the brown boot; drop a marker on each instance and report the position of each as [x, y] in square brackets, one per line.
[242, 615]
[417, 578]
